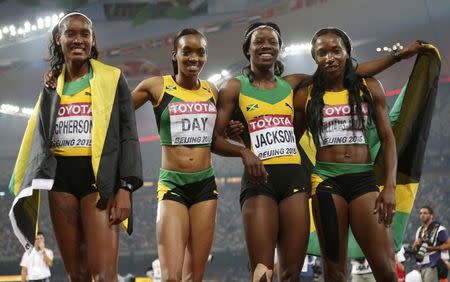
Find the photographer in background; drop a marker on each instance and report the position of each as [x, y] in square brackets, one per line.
[431, 245]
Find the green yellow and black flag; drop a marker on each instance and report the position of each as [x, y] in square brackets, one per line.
[411, 119]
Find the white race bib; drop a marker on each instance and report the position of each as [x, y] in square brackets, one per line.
[73, 126]
[337, 126]
[272, 136]
[192, 123]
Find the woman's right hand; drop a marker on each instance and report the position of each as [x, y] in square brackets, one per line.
[254, 166]
[49, 80]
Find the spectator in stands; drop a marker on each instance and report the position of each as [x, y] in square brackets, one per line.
[36, 263]
[399, 267]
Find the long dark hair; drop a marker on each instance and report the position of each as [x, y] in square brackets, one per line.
[56, 55]
[352, 82]
[186, 31]
[279, 67]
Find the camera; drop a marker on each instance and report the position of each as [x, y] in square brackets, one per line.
[426, 241]
[419, 253]
[422, 251]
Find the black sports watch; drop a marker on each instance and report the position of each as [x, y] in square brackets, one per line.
[396, 54]
[126, 186]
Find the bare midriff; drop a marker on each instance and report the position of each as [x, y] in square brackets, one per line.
[185, 158]
[356, 154]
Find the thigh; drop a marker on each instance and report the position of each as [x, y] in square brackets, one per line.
[330, 213]
[172, 233]
[102, 239]
[293, 234]
[202, 221]
[66, 220]
[374, 238]
[260, 218]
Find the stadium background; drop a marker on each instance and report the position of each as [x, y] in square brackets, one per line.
[134, 37]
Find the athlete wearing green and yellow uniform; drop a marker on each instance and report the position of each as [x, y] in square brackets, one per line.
[346, 179]
[186, 118]
[72, 139]
[273, 190]
[338, 109]
[81, 133]
[268, 118]
[185, 113]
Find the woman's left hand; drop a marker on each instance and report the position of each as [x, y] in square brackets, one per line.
[49, 80]
[120, 208]
[385, 204]
[415, 47]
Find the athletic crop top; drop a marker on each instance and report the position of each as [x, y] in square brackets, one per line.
[268, 116]
[337, 127]
[185, 117]
[72, 135]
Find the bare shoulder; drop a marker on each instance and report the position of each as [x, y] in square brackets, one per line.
[300, 98]
[231, 87]
[213, 88]
[298, 79]
[373, 83]
[376, 90]
[152, 83]
[153, 86]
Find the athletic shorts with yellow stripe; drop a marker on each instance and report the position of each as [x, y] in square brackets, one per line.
[187, 188]
[283, 181]
[345, 179]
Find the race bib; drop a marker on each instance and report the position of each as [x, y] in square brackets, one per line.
[192, 123]
[272, 136]
[73, 126]
[337, 126]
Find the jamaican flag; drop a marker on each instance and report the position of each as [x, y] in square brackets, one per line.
[410, 117]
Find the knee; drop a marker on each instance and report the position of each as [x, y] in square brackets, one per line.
[77, 272]
[385, 271]
[290, 273]
[171, 276]
[78, 275]
[104, 274]
[191, 276]
[388, 275]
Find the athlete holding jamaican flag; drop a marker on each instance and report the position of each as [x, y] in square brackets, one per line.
[347, 120]
[81, 144]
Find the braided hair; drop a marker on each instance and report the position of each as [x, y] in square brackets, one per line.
[279, 67]
[352, 82]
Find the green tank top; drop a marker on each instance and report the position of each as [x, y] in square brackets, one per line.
[337, 120]
[185, 117]
[268, 116]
